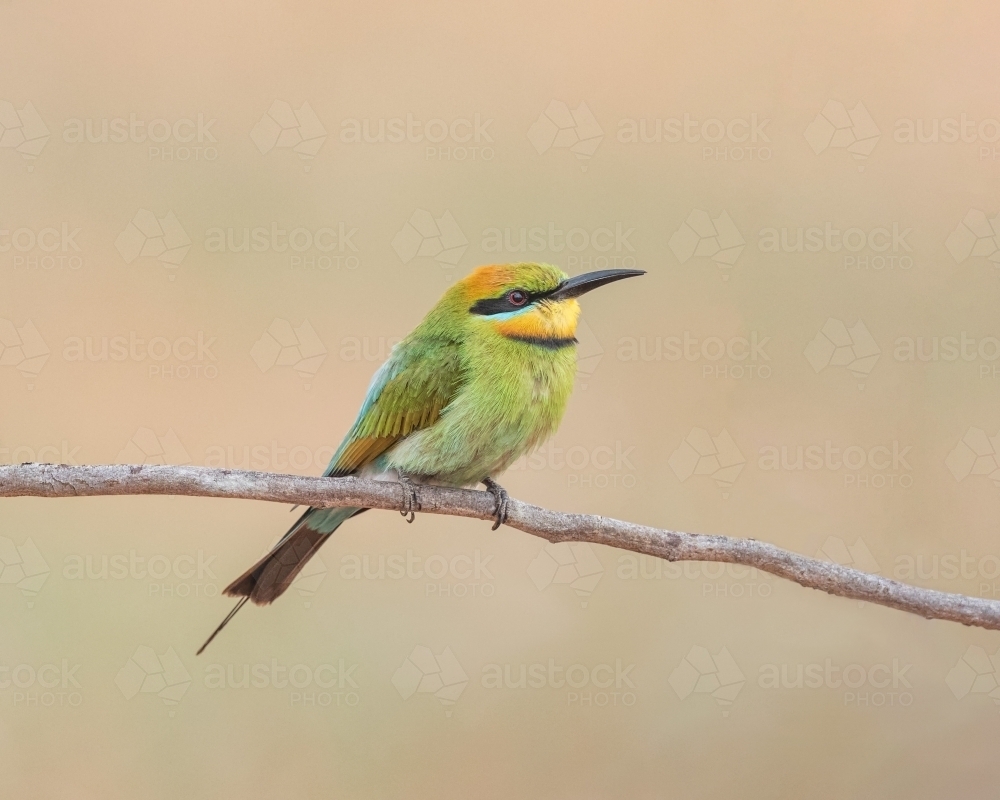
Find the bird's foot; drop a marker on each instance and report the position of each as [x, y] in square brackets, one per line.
[502, 499]
[411, 503]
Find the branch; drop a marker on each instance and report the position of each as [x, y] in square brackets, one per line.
[59, 480]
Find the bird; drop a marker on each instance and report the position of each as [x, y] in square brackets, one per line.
[481, 381]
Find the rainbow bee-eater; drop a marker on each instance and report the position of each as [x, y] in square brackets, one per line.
[483, 380]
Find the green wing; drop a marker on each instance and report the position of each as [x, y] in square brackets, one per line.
[406, 394]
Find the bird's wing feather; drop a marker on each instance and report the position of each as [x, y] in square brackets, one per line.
[407, 393]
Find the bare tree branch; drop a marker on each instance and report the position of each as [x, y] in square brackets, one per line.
[57, 480]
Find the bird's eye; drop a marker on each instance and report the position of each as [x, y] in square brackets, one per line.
[517, 297]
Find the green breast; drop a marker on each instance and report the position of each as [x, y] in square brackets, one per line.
[511, 398]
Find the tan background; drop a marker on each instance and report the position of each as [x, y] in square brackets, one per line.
[78, 733]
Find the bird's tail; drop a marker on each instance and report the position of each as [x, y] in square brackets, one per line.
[268, 579]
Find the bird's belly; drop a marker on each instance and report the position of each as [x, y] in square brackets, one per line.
[488, 427]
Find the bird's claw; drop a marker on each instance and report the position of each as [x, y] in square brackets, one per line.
[411, 503]
[501, 498]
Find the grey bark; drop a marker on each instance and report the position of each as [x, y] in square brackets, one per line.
[59, 480]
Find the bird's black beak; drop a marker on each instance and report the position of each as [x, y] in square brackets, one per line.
[581, 284]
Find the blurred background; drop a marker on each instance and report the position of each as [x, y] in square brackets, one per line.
[218, 218]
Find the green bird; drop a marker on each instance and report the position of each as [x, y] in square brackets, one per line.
[483, 380]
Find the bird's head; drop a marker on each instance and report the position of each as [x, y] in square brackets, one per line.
[534, 303]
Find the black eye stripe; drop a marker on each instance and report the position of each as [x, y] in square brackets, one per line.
[503, 305]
